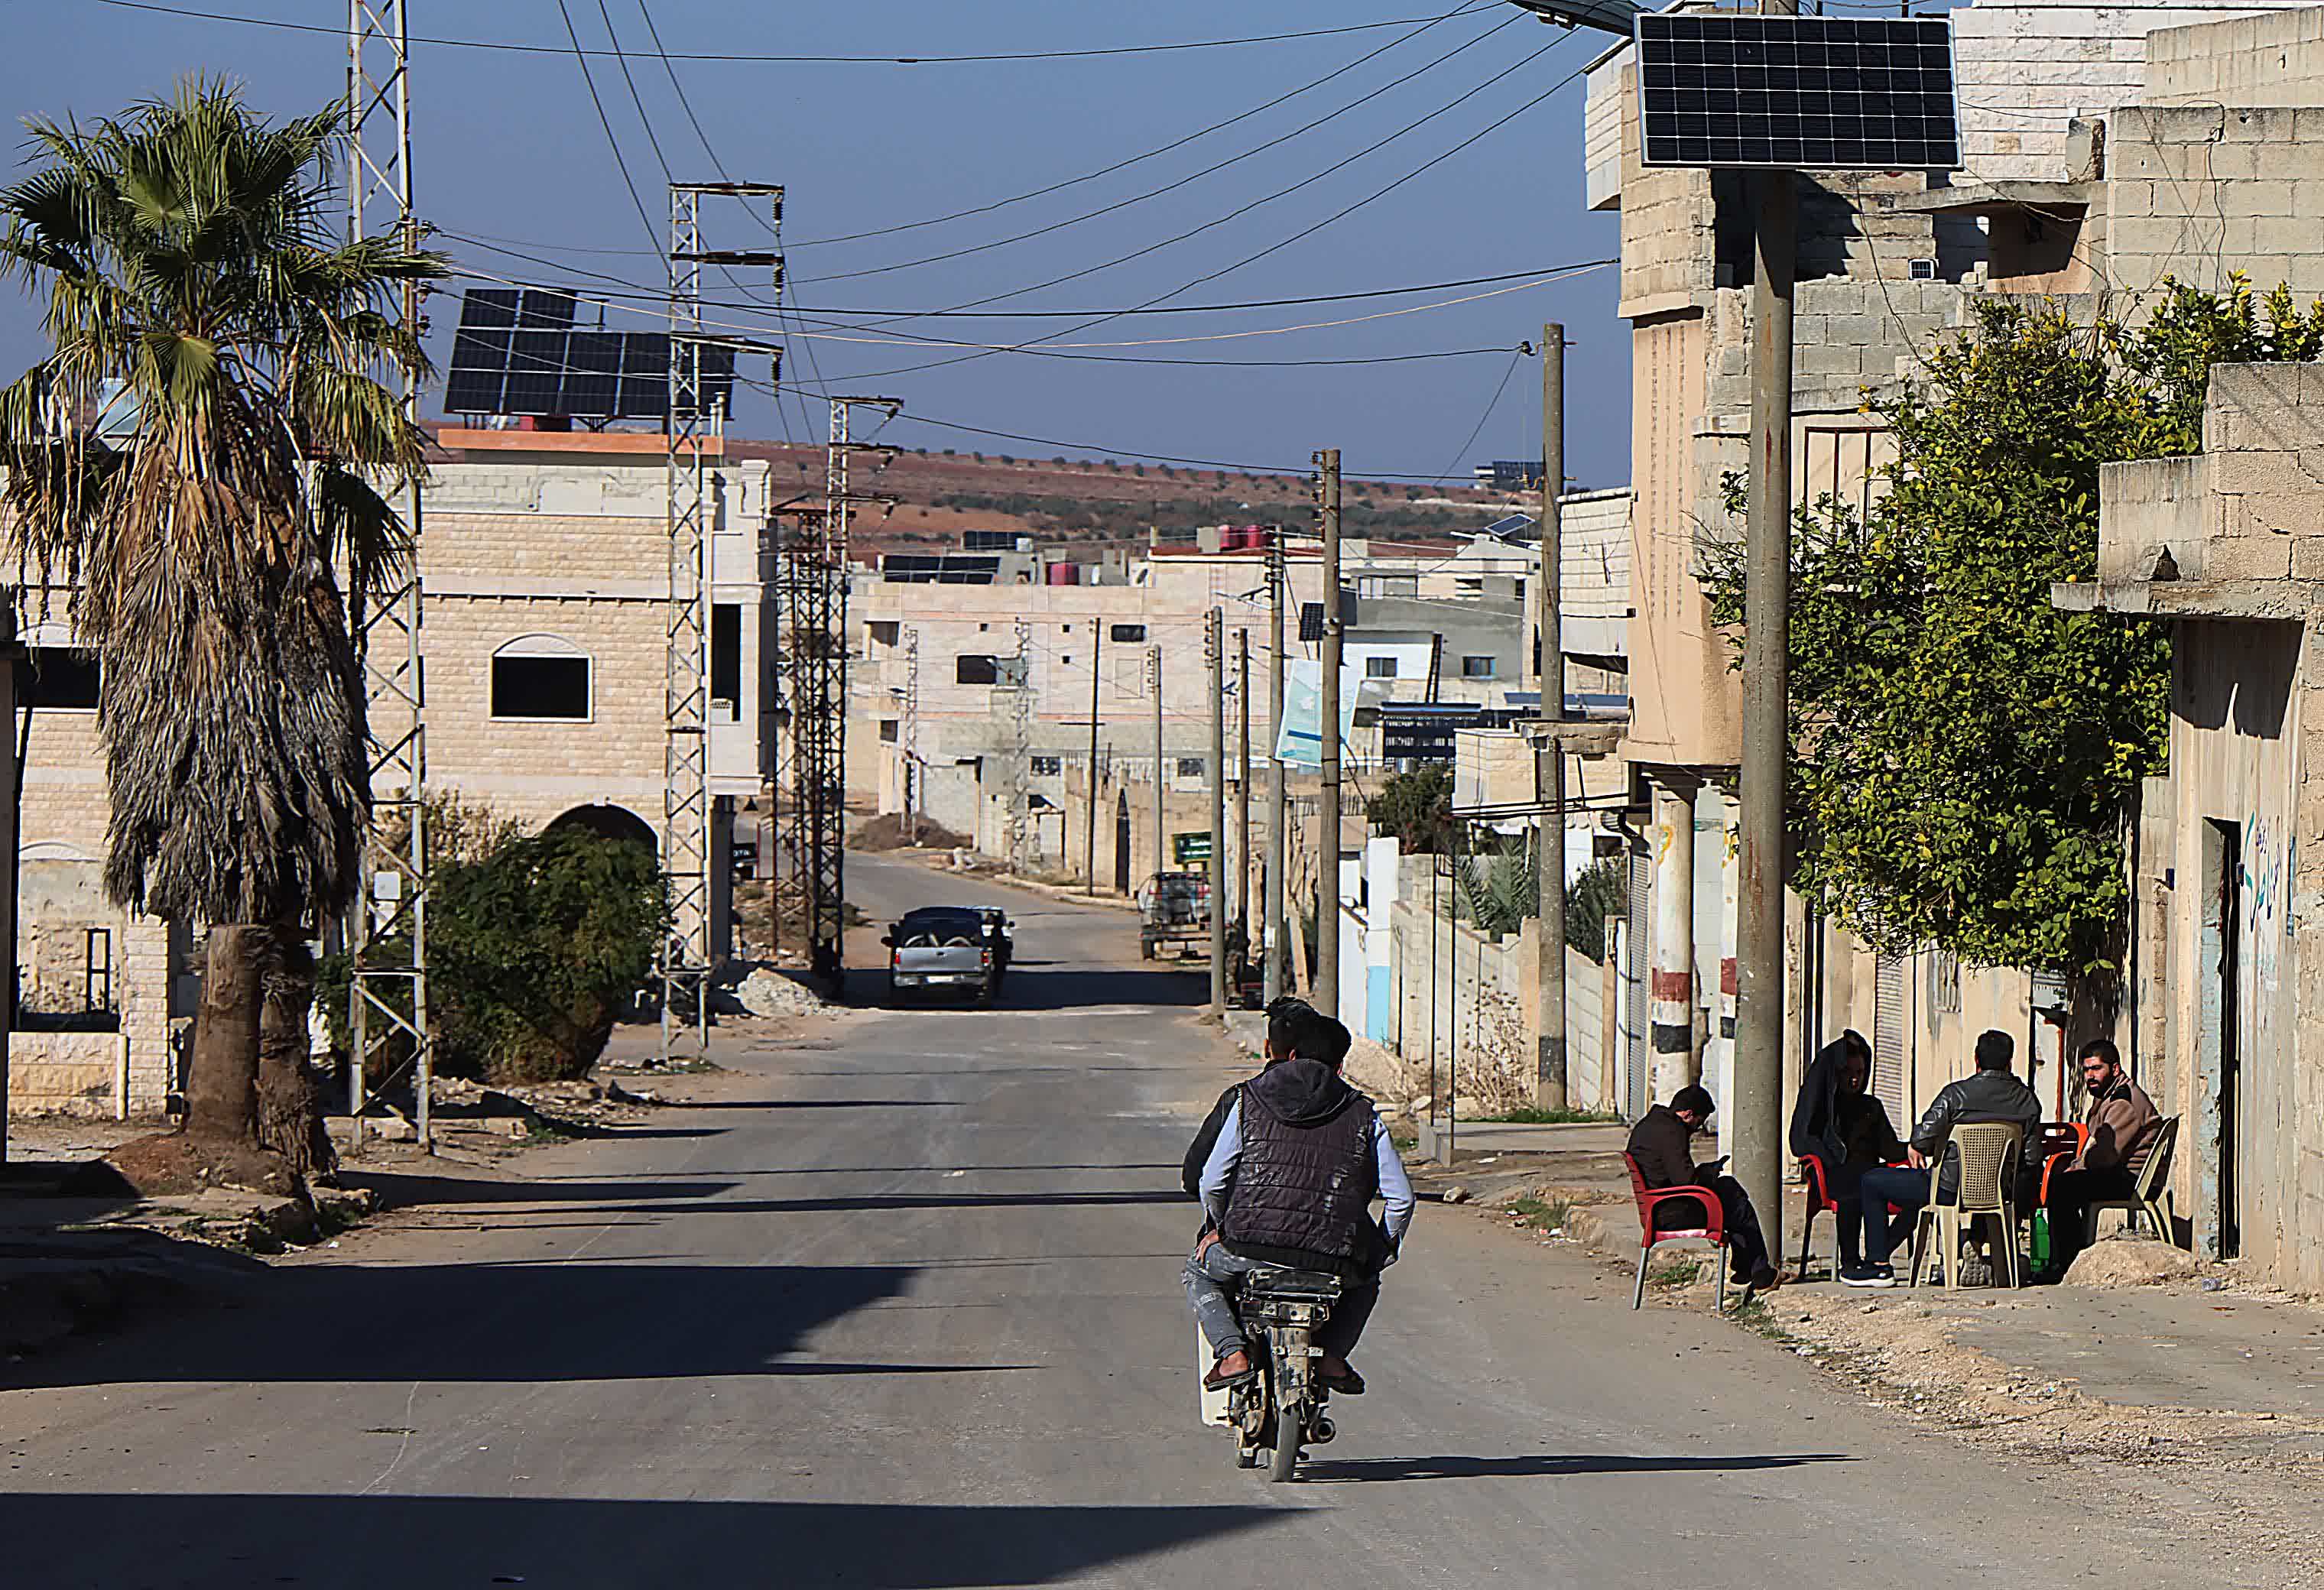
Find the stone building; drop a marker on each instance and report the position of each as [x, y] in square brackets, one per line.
[2093, 167]
[544, 560]
[2228, 999]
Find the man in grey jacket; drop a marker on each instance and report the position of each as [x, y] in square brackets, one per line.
[1991, 1094]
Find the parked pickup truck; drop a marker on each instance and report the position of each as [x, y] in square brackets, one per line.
[959, 948]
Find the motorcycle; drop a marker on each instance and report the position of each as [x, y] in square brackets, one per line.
[1283, 1407]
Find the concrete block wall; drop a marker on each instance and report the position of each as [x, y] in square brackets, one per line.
[2027, 67]
[1602, 131]
[2195, 192]
[2268, 59]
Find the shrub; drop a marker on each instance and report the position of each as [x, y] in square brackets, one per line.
[533, 949]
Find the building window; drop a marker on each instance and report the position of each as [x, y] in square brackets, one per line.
[887, 731]
[726, 653]
[1066, 661]
[885, 632]
[1190, 766]
[1047, 767]
[1130, 632]
[1476, 667]
[62, 678]
[541, 676]
[1380, 667]
[974, 669]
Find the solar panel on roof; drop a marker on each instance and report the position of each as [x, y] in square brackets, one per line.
[1808, 93]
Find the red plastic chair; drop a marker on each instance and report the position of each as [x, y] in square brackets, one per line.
[1711, 1229]
[1822, 1202]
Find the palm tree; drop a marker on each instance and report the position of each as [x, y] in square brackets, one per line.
[193, 287]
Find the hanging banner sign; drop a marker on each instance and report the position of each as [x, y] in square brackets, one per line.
[1299, 742]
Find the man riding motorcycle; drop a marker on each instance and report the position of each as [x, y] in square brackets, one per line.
[1289, 1182]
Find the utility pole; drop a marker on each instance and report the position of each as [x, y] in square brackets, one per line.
[1019, 690]
[1756, 1112]
[1278, 848]
[1161, 841]
[1089, 838]
[911, 737]
[1215, 649]
[1242, 785]
[1327, 818]
[1549, 755]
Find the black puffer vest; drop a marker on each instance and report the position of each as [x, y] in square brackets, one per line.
[1304, 1186]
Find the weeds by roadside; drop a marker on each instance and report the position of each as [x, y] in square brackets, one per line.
[1532, 1116]
[1546, 1215]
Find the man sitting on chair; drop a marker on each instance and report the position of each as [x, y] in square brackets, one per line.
[1660, 1143]
[2122, 1126]
[1992, 1094]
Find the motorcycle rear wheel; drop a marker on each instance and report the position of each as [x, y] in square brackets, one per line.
[1285, 1456]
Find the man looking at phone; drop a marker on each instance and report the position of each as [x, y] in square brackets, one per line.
[1662, 1144]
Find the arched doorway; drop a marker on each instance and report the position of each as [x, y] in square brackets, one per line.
[608, 822]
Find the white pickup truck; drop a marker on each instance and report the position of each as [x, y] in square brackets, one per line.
[958, 948]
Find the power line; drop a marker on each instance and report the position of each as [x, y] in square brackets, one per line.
[603, 120]
[1306, 127]
[1479, 429]
[486, 241]
[521, 49]
[1175, 144]
[1308, 231]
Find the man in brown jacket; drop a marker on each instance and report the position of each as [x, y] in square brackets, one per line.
[2121, 1125]
[1662, 1144]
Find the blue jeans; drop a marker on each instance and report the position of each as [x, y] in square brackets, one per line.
[1212, 1275]
[1882, 1185]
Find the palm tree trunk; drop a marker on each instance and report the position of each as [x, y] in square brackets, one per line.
[290, 1094]
[222, 1092]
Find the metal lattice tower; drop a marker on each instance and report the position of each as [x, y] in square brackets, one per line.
[696, 432]
[811, 597]
[1018, 693]
[387, 931]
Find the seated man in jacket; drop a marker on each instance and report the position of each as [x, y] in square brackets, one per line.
[1290, 1182]
[1839, 1121]
[1990, 1094]
[2122, 1124]
[1661, 1145]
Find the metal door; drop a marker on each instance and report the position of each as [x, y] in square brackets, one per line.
[1890, 1036]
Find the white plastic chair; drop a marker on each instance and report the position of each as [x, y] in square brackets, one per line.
[1986, 1154]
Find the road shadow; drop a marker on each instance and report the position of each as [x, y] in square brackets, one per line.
[515, 1323]
[880, 1202]
[389, 1542]
[1543, 1465]
[1077, 990]
[403, 1189]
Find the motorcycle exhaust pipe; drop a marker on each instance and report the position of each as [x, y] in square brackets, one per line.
[1324, 1431]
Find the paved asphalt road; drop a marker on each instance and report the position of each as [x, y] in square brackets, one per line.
[900, 1308]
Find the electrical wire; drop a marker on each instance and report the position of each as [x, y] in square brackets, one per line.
[1016, 55]
[487, 242]
[1192, 176]
[1051, 347]
[1174, 145]
[1479, 429]
[1337, 215]
[603, 121]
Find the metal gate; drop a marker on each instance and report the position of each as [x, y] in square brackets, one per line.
[1637, 1070]
[1890, 1034]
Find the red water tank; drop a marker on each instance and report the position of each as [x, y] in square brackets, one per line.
[1064, 574]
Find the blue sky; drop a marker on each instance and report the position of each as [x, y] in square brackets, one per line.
[509, 150]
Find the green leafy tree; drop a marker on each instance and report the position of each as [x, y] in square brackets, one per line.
[1416, 807]
[1965, 750]
[205, 445]
[1594, 898]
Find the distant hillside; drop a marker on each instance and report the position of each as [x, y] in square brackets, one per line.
[1088, 502]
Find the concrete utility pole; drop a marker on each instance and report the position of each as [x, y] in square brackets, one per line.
[1242, 785]
[912, 736]
[1161, 841]
[1327, 818]
[1278, 846]
[1756, 1113]
[1549, 755]
[1215, 650]
[1089, 838]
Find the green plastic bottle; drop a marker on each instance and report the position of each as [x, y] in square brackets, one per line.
[2040, 1239]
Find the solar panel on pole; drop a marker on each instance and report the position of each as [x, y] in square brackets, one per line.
[1797, 93]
